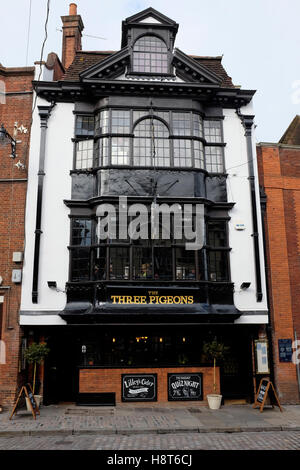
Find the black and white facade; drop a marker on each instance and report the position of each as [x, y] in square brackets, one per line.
[151, 123]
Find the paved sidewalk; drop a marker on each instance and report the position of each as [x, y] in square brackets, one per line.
[67, 419]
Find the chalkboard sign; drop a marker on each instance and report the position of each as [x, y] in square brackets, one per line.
[185, 386]
[285, 350]
[262, 390]
[31, 397]
[26, 392]
[266, 389]
[139, 387]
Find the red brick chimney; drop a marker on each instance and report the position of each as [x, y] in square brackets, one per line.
[72, 28]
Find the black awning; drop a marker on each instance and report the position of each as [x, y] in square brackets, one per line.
[108, 313]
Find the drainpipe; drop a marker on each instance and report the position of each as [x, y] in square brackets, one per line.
[297, 366]
[44, 113]
[247, 122]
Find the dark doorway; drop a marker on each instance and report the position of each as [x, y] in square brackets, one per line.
[236, 370]
[61, 371]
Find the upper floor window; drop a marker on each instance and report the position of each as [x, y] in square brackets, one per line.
[149, 138]
[150, 55]
[84, 132]
[151, 143]
[84, 126]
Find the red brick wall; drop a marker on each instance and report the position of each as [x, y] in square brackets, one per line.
[279, 172]
[12, 201]
[109, 380]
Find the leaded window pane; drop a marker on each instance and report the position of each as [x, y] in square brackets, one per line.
[139, 114]
[82, 232]
[102, 122]
[182, 124]
[142, 263]
[185, 264]
[102, 151]
[182, 153]
[80, 261]
[151, 44]
[218, 265]
[120, 123]
[119, 263]
[120, 149]
[197, 125]
[198, 154]
[84, 154]
[150, 55]
[151, 144]
[163, 263]
[99, 267]
[217, 234]
[163, 115]
[214, 159]
[213, 131]
[84, 125]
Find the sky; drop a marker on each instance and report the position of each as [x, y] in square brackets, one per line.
[259, 41]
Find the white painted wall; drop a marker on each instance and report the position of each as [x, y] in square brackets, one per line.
[54, 255]
[242, 254]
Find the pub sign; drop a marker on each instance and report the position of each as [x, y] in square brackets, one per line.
[139, 387]
[185, 386]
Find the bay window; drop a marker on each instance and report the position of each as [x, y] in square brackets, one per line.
[149, 138]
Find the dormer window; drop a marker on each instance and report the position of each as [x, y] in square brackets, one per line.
[150, 55]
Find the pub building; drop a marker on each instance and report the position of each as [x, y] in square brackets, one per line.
[126, 316]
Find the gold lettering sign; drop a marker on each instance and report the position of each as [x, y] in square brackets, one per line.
[152, 298]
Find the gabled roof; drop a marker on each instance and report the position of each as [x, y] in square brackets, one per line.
[87, 64]
[152, 13]
[292, 134]
[109, 67]
[151, 17]
[192, 71]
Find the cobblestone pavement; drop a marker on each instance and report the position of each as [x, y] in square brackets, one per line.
[284, 440]
[69, 419]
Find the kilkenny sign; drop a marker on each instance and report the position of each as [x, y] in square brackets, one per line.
[185, 386]
[139, 387]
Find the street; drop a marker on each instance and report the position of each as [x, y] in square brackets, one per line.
[281, 440]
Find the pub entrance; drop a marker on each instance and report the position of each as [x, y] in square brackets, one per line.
[61, 366]
[236, 373]
[76, 348]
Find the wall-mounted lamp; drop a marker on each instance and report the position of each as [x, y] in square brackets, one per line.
[245, 285]
[4, 136]
[52, 284]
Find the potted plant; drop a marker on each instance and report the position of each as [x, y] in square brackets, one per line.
[214, 351]
[35, 354]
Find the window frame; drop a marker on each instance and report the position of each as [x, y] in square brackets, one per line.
[168, 54]
[158, 114]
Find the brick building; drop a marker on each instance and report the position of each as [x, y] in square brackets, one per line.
[15, 115]
[16, 101]
[158, 126]
[279, 172]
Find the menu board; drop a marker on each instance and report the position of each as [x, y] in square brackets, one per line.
[139, 387]
[262, 390]
[186, 386]
[261, 356]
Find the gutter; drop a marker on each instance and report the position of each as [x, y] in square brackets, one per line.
[44, 113]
